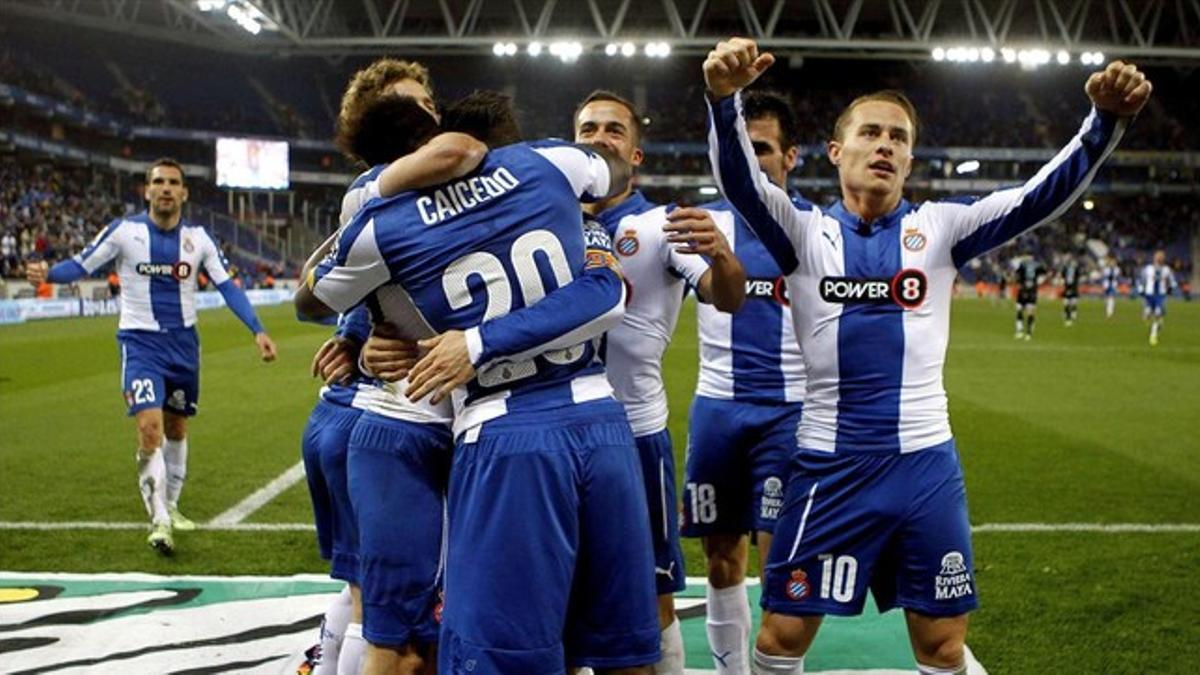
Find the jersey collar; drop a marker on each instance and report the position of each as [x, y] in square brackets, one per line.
[852, 221]
[634, 204]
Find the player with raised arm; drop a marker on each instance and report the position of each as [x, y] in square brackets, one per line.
[1157, 281]
[1070, 274]
[1029, 276]
[876, 497]
[742, 423]
[1110, 280]
[158, 256]
[542, 446]
[659, 264]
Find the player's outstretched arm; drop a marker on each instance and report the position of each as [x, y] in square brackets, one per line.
[767, 208]
[693, 232]
[447, 156]
[585, 308]
[1117, 94]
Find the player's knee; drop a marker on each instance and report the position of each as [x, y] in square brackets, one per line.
[943, 649]
[785, 636]
[150, 434]
[726, 560]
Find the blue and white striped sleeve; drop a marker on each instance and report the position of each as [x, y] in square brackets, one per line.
[103, 248]
[214, 261]
[353, 269]
[587, 307]
[586, 170]
[981, 225]
[772, 215]
[364, 188]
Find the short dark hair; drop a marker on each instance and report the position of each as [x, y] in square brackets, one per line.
[486, 115]
[167, 161]
[762, 104]
[893, 96]
[387, 129]
[639, 125]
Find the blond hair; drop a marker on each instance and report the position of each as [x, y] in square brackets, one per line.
[887, 96]
[367, 87]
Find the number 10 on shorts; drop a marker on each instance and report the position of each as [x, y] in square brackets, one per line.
[838, 575]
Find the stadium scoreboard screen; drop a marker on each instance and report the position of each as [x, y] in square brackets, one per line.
[252, 163]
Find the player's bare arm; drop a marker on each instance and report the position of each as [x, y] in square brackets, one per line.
[693, 232]
[1120, 89]
[734, 64]
[266, 347]
[445, 157]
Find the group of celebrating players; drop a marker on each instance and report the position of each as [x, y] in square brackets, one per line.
[489, 462]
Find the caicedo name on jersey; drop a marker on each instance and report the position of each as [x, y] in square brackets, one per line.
[906, 289]
[452, 199]
[179, 270]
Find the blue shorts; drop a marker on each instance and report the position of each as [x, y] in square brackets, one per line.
[549, 552]
[1155, 304]
[658, 473]
[160, 370]
[1111, 290]
[738, 458]
[398, 475]
[894, 523]
[326, 439]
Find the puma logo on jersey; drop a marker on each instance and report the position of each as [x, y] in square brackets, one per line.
[180, 270]
[669, 572]
[907, 289]
[453, 199]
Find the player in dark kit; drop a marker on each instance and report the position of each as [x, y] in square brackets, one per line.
[1070, 273]
[1028, 276]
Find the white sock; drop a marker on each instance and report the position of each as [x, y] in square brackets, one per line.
[175, 456]
[728, 627]
[1153, 329]
[152, 481]
[930, 670]
[1109, 303]
[1020, 324]
[765, 664]
[354, 649]
[671, 662]
[333, 631]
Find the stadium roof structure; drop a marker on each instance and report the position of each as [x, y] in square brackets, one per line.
[1161, 31]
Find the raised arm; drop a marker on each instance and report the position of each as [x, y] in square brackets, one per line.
[767, 208]
[1117, 94]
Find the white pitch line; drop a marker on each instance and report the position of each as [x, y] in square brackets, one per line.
[266, 493]
[1102, 528]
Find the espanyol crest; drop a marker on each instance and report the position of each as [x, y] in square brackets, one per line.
[798, 587]
[187, 246]
[628, 244]
[913, 240]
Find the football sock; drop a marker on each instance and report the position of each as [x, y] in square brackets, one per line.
[671, 662]
[1154, 329]
[1109, 304]
[728, 627]
[333, 631]
[765, 664]
[175, 455]
[152, 481]
[1029, 324]
[930, 670]
[1020, 323]
[354, 648]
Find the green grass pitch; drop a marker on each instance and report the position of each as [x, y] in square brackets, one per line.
[1086, 424]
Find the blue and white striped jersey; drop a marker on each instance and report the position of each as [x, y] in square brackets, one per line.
[1157, 280]
[752, 355]
[658, 277]
[479, 248]
[871, 301]
[1110, 276]
[158, 269]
